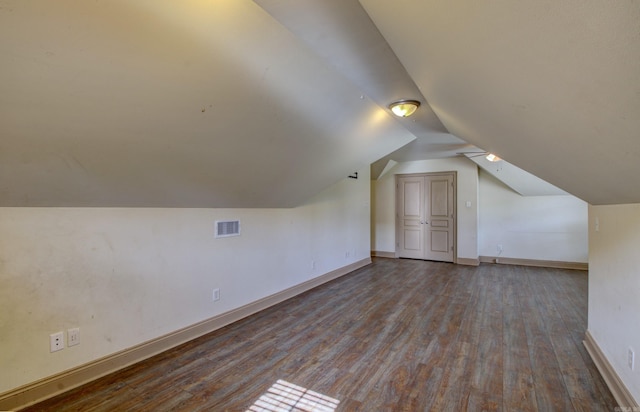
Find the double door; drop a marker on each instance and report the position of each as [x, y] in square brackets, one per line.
[425, 218]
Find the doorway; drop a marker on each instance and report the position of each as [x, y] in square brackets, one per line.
[426, 216]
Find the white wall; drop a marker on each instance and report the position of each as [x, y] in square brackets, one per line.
[125, 276]
[383, 232]
[614, 287]
[531, 227]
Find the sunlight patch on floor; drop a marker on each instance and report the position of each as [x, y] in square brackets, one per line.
[283, 396]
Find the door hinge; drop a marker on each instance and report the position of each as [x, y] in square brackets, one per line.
[452, 248]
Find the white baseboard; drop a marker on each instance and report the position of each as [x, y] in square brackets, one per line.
[611, 378]
[392, 255]
[379, 253]
[51, 386]
[534, 262]
[468, 261]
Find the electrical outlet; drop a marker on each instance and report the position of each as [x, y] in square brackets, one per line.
[499, 248]
[313, 264]
[630, 358]
[216, 295]
[73, 337]
[56, 341]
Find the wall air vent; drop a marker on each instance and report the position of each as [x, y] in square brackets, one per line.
[227, 228]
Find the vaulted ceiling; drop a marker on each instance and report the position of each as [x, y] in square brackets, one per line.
[235, 103]
[552, 86]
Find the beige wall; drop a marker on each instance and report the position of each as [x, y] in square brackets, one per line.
[125, 276]
[614, 287]
[531, 227]
[383, 232]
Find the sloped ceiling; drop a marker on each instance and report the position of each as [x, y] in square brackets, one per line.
[551, 86]
[341, 32]
[518, 180]
[228, 104]
[175, 104]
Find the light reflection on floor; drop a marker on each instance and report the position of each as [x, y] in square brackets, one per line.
[283, 396]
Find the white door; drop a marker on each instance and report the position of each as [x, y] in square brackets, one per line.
[426, 216]
[439, 217]
[410, 238]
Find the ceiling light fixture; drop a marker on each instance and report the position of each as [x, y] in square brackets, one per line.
[493, 158]
[404, 108]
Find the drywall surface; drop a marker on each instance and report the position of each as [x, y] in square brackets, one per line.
[383, 232]
[614, 287]
[531, 227]
[153, 103]
[128, 275]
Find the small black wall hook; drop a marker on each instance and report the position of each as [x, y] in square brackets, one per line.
[354, 175]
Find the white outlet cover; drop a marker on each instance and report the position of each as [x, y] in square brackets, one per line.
[56, 341]
[73, 337]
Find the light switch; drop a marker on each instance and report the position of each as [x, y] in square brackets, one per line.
[468, 203]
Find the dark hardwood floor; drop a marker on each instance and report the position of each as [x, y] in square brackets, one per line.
[397, 335]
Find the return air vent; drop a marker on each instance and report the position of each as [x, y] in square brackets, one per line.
[227, 228]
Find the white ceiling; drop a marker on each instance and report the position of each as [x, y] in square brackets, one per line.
[263, 104]
[551, 86]
[518, 180]
[179, 104]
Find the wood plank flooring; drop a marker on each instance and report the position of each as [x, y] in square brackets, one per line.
[397, 335]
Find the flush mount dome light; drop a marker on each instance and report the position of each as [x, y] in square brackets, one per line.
[404, 108]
